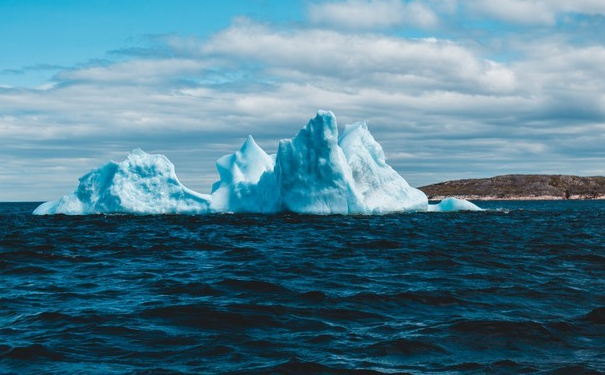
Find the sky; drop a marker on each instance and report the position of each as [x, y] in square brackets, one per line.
[452, 89]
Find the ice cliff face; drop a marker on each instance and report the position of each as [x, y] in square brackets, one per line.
[316, 172]
[381, 188]
[313, 173]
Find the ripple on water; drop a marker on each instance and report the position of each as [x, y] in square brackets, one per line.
[515, 289]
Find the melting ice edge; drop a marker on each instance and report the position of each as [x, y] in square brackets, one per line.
[316, 172]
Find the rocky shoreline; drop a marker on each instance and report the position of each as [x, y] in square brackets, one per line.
[516, 198]
[520, 187]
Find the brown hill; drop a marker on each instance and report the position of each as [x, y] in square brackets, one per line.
[519, 186]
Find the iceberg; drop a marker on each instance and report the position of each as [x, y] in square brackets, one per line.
[141, 184]
[316, 172]
[453, 204]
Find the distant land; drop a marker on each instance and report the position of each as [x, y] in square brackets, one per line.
[521, 187]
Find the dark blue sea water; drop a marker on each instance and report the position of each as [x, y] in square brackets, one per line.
[517, 289]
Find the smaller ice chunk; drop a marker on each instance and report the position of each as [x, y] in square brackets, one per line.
[141, 184]
[453, 204]
[238, 189]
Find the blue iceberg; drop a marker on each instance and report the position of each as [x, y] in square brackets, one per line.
[453, 204]
[316, 172]
[141, 184]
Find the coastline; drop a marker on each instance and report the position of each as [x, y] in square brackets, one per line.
[521, 188]
[515, 198]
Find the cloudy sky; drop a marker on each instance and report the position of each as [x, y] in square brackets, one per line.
[451, 88]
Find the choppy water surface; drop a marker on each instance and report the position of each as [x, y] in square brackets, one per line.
[515, 290]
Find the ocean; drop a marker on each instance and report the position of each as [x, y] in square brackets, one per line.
[519, 288]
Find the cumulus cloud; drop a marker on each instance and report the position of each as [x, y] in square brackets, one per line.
[135, 71]
[516, 11]
[368, 60]
[429, 14]
[370, 14]
[534, 12]
[441, 108]
[582, 6]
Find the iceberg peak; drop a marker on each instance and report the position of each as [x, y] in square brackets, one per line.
[249, 144]
[323, 123]
[382, 188]
[239, 174]
[246, 164]
[313, 173]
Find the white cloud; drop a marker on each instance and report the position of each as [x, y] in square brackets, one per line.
[580, 6]
[440, 108]
[418, 14]
[369, 14]
[534, 12]
[429, 14]
[135, 71]
[516, 11]
[372, 60]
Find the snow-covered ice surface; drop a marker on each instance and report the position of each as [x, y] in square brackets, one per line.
[316, 172]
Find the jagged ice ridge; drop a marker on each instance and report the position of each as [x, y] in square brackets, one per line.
[316, 172]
